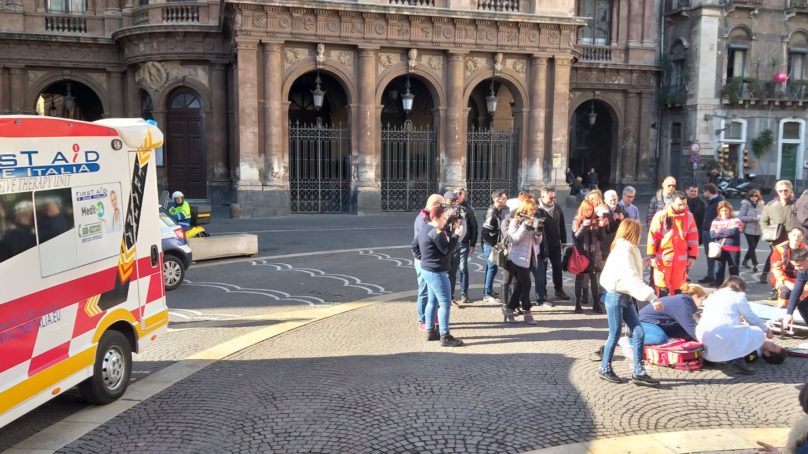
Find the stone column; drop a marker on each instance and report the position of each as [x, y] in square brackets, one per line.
[218, 167]
[116, 93]
[621, 22]
[629, 139]
[645, 145]
[131, 95]
[561, 123]
[249, 165]
[4, 107]
[454, 163]
[536, 152]
[367, 151]
[651, 29]
[274, 153]
[17, 90]
[635, 22]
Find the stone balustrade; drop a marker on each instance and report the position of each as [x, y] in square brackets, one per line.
[65, 24]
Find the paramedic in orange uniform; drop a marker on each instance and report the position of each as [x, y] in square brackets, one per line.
[673, 245]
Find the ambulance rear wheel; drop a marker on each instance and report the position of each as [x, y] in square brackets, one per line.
[112, 369]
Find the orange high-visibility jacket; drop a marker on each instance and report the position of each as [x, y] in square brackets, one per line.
[672, 239]
[781, 270]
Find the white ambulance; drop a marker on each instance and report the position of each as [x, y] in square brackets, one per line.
[81, 283]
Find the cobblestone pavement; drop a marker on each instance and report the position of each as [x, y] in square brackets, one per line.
[367, 381]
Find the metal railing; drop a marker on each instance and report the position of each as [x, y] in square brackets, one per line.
[675, 5]
[747, 2]
[66, 24]
[737, 90]
[801, 4]
[673, 95]
[498, 5]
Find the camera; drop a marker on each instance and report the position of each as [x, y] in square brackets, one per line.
[537, 223]
[460, 212]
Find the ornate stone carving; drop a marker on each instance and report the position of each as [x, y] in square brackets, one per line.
[388, 60]
[497, 63]
[177, 70]
[434, 63]
[345, 58]
[152, 75]
[519, 66]
[34, 76]
[320, 57]
[293, 55]
[259, 19]
[472, 64]
[412, 59]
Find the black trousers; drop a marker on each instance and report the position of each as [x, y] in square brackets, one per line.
[727, 259]
[753, 241]
[521, 291]
[580, 285]
[555, 259]
[454, 265]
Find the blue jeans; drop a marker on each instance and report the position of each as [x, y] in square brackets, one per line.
[620, 308]
[540, 278]
[490, 270]
[423, 291]
[654, 335]
[463, 268]
[705, 238]
[440, 294]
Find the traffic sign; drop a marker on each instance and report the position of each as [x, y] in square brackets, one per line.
[695, 147]
[695, 158]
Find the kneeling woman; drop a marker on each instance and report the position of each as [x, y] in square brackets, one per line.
[676, 319]
[434, 246]
[622, 279]
[720, 329]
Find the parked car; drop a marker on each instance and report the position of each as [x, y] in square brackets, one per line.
[177, 255]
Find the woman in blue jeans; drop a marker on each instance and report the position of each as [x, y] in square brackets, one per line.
[622, 280]
[434, 246]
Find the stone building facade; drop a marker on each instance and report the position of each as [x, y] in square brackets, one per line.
[734, 88]
[500, 92]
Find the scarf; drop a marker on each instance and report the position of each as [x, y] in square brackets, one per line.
[550, 209]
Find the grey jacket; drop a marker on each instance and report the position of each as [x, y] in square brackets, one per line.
[525, 245]
[750, 216]
[777, 213]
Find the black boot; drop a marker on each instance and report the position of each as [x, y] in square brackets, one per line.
[578, 299]
[596, 303]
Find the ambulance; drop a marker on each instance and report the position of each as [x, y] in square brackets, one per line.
[81, 285]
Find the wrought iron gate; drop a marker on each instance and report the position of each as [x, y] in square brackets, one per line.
[492, 164]
[319, 168]
[409, 166]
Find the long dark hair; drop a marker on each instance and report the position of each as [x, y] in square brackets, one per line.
[734, 283]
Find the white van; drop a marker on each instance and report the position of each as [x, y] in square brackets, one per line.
[81, 283]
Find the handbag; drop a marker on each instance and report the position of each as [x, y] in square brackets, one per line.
[772, 233]
[578, 263]
[714, 249]
[498, 255]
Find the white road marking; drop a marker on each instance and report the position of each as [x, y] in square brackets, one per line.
[400, 263]
[275, 295]
[287, 256]
[347, 281]
[337, 229]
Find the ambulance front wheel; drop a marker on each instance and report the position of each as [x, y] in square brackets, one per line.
[112, 369]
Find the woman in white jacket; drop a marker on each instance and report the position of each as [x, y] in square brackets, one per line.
[622, 280]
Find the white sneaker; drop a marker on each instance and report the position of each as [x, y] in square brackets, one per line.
[490, 299]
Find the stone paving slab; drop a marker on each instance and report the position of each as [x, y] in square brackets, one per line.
[367, 381]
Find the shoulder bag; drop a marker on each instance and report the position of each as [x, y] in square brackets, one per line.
[714, 249]
[577, 262]
[772, 233]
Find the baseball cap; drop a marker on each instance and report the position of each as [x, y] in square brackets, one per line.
[450, 196]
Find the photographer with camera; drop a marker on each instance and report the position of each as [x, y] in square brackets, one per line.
[434, 247]
[615, 215]
[525, 237]
[467, 245]
[457, 216]
[434, 200]
[588, 232]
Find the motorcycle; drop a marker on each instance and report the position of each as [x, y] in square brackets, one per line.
[735, 188]
[199, 215]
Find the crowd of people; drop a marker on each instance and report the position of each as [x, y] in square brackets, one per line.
[526, 236]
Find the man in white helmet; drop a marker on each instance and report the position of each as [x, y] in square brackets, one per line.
[181, 211]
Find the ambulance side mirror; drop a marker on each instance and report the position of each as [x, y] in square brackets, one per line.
[155, 256]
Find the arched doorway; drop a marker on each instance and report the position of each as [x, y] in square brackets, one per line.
[493, 142]
[319, 145]
[186, 157]
[593, 136]
[409, 144]
[71, 99]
